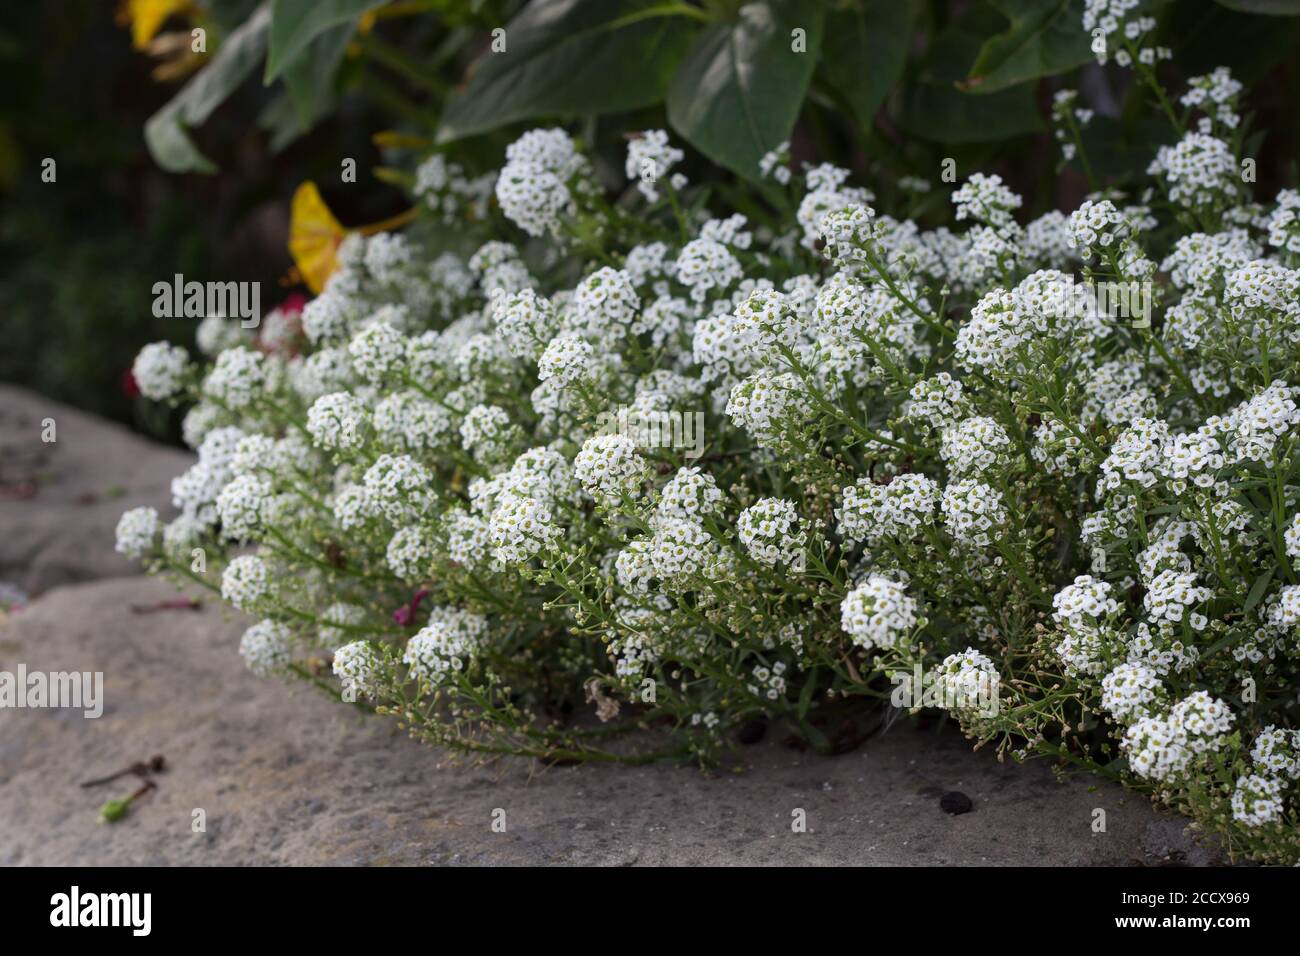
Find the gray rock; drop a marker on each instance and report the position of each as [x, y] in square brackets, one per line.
[59, 502]
[288, 777]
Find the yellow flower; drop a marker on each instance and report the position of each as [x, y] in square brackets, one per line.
[146, 17]
[315, 235]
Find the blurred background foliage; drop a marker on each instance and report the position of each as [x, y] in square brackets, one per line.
[177, 159]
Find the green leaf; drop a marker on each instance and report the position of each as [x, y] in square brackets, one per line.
[165, 132]
[310, 78]
[934, 109]
[1257, 590]
[296, 23]
[1044, 39]
[571, 57]
[805, 695]
[863, 51]
[739, 90]
[1276, 8]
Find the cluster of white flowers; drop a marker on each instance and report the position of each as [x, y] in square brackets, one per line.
[649, 158]
[449, 192]
[266, 647]
[359, 669]
[446, 646]
[610, 467]
[891, 446]
[535, 187]
[1119, 27]
[1200, 170]
[773, 533]
[969, 682]
[897, 509]
[878, 613]
[137, 530]
[159, 369]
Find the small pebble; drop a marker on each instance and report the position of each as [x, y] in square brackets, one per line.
[751, 731]
[955, 802]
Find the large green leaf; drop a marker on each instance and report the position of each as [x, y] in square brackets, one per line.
[1044, 38]
[571, 57]
[309, 79]
[739, 90]
[296, 23]
[165, 132]
[934, 109]
[863, 51]
[1277, 8]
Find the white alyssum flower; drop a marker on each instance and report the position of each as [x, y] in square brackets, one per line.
[650, 157]
[938, 401]
[237, 378]
[566, 359]
[1171, 593]
[378, 352]
[773, 533]
[160, 369]
[359, 668]
[898, 509]
[1277, 751]
[609, 468]
[338, 421]
[974, 512]
[242, 507]
[969, 682]
[690, 494]
[487, 433]
[1130, 691]
[399, 488]
[975, 446]
[533, 188]
[265, 648]
[521, 528]
[410, 554]
[525, 321]
[445, 646]
[137, 530]
[1205, 719]
[408, 421]
[604, 303]
[1257, 800]
[878, 613]
[246, 582]
[705, 265]
[1156, 747]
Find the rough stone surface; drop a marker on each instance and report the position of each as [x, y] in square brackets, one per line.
[59, 502]
[288, 777]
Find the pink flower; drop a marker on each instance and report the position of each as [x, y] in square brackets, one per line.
[405, 615]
